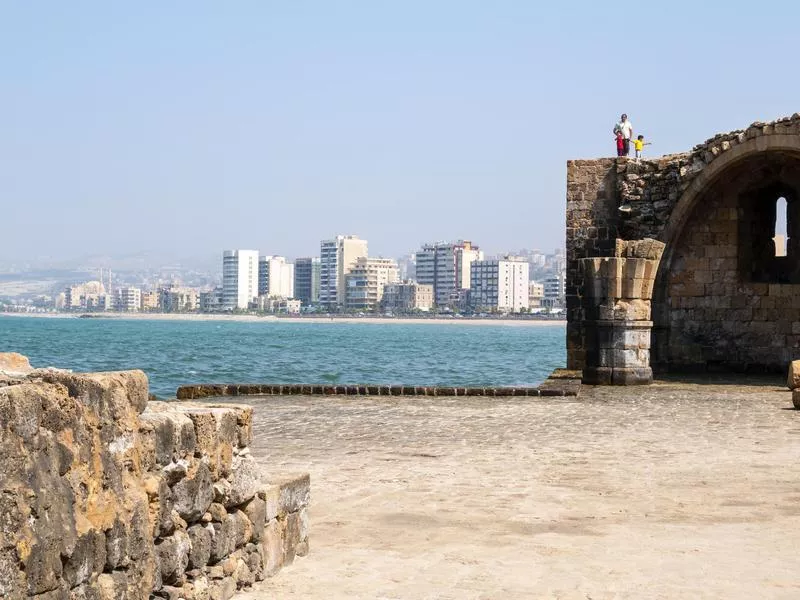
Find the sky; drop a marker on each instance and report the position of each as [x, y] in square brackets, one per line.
[183, 128]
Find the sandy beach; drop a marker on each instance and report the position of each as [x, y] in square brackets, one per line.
[276, 319]
[662, 492]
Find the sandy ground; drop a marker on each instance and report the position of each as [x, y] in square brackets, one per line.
[274, 319]
[671, 491]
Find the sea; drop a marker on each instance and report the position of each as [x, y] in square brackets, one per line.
[180, 352]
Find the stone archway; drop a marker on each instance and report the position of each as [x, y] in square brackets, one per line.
[728, 184]
[723, 298]
[707, 174]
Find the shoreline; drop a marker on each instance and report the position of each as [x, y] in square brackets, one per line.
[276, 319]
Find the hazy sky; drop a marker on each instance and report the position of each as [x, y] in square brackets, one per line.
[184, 128]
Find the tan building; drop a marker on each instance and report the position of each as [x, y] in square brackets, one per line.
[275, 304]
[535, 294]
[150, 301]
[84, 296]
[337, 258]
[365, 282]
[407, 296]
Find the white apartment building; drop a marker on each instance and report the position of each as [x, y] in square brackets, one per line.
[366, 281]
[500, 284]
[446, 266]
[239, 278]
[128, 299]
[337, 257]
[275, 277]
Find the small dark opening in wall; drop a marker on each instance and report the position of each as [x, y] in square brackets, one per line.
[769, 217]
[781, 238]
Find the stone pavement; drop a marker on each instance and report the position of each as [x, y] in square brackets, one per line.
[667, 491]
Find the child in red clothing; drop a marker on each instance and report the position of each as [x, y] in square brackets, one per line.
[620, 144]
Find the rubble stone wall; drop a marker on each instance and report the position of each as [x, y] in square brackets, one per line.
[716, 303]
[104, 495]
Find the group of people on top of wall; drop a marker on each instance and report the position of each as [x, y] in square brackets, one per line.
[623, 134]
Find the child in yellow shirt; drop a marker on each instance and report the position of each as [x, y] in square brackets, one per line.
[638, 146]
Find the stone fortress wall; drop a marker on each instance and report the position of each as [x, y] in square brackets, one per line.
[722, 299]
[104, 495]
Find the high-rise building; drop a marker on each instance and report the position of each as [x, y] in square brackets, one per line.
[306, 280]
[128, 299]
[337, 258]
[446, 266]
[500, 284]
[366, 281]
[275, 277]
[555, 290]
[239, 278]
[407, 296]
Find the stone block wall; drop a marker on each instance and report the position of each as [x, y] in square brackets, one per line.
[106, 496]
[715, 292]
[592, 223]
[617, 296]
[719, 300]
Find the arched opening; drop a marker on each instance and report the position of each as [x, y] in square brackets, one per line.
[781, 237]
[728, 296]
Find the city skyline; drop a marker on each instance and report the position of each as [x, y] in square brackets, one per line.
[344, 277]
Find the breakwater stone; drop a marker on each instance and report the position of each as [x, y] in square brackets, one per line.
[561, 383]
[105, 495]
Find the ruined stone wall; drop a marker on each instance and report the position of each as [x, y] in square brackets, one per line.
[592, 223]
[106, 496]
[717, 291]
[695, 203]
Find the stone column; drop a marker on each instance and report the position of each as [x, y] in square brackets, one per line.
[617, 294]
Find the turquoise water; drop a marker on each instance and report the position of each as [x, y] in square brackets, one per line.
[174, 353]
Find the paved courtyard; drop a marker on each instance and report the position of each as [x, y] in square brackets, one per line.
[670, 491]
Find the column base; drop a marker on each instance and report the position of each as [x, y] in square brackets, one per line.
[617, 376]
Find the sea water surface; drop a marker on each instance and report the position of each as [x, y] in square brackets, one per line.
[175, 353]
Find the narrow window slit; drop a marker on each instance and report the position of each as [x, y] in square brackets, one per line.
[781, 239]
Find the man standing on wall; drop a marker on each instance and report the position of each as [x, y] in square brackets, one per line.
[626, 129]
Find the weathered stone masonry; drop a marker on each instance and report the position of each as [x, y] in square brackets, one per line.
[106, 496]
[722, 299]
